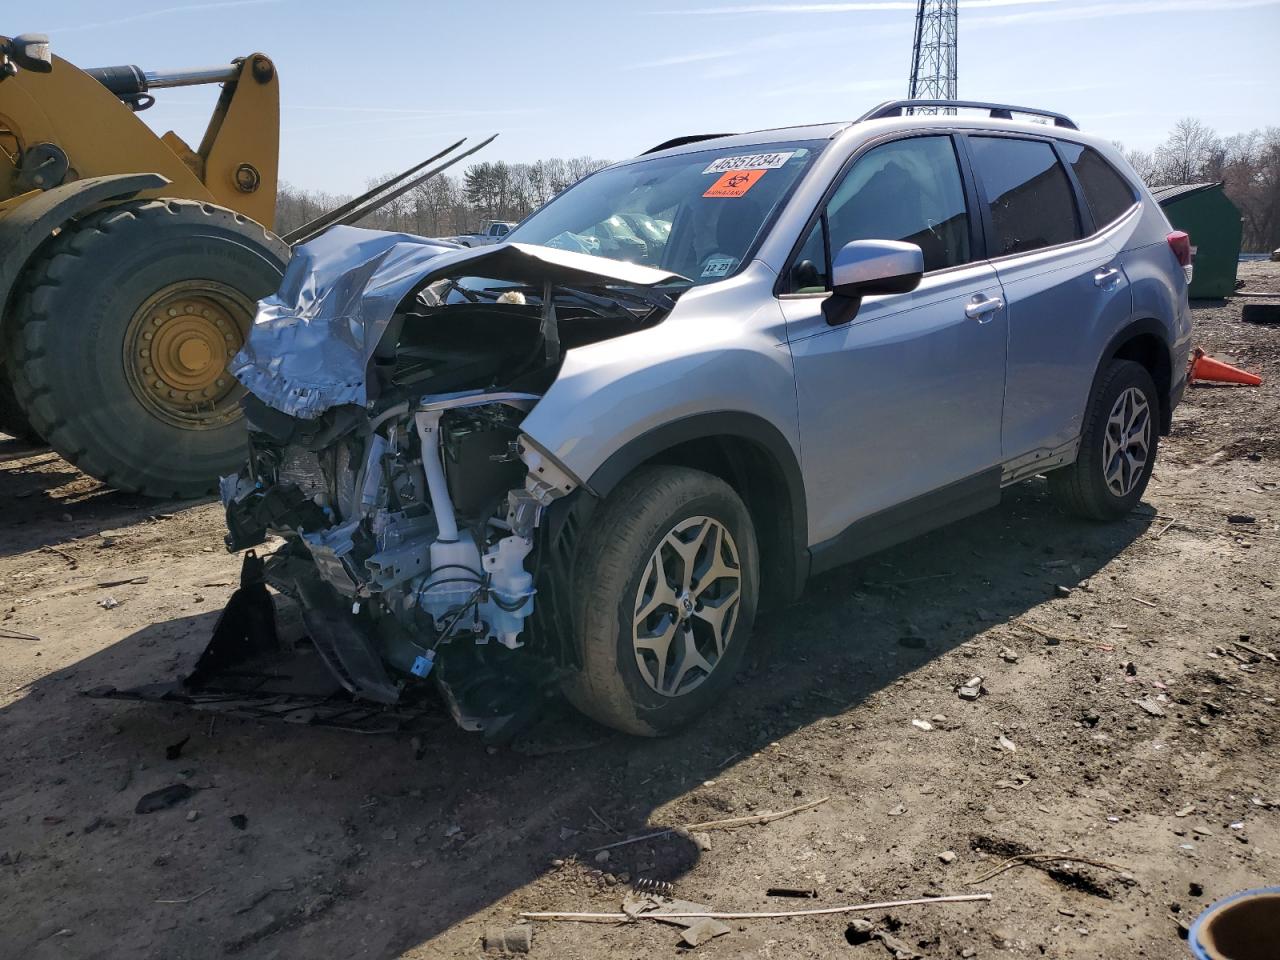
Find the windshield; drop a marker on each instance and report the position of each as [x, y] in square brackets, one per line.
[696, 214]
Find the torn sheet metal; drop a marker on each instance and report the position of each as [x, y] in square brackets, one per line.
[311, 342]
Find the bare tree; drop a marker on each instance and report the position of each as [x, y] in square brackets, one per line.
[446, 205]
[1189, 152]
[1247, 165]
[1143, 163]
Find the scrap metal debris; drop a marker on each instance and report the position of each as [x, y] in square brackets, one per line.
[702, 931]
[514, 939]
[729, 824]
[807, 893]
[1150, 706]
[1032, 859]
[669, 915]
[164, 798]
[120, 583]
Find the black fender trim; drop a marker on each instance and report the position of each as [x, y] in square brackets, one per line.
[1144, 326]
[728, 424]
[25, 227]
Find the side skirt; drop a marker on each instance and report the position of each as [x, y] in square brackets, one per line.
[908, 520]
[1038, 461]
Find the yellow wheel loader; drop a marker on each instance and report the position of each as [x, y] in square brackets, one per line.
[130, 264]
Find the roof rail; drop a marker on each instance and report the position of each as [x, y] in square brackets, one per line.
[999, 111]
[681, 141]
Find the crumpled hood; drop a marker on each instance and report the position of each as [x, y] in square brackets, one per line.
[311, 342]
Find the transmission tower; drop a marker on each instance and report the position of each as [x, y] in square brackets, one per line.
[933, 57]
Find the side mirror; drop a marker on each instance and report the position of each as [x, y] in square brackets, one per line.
[866, 268]
[30, 51]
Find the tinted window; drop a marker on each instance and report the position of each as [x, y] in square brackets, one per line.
[906, 190]
[1031, 201]
[1105, 190]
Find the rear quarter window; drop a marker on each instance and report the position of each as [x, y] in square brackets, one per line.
[1107, 192]
[1028, 193]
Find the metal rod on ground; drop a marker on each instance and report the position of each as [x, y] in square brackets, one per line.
[357, 214]
[325, 219]
[759, 818]
[750, 915]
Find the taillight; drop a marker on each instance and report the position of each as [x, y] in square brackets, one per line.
[1180, 244]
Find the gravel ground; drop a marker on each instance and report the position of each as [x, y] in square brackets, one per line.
[388, 846]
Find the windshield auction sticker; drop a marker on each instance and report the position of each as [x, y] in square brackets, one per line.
[753, 161]
[735, 183]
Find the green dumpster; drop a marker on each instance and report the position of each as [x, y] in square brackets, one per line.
[1213, 221]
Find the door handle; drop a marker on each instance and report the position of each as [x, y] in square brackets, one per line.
[1105, 278]
[980, 308]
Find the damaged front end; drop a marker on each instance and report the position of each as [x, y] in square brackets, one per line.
[417, 524]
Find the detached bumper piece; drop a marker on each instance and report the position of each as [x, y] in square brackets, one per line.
[325, 675]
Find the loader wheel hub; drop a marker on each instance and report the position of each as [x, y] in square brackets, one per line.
[177, 349]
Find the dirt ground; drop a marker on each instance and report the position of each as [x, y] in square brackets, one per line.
[388, 846]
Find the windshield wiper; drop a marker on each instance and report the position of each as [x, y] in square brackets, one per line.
[649, 296]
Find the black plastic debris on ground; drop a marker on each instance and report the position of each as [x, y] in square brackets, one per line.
[1261, 313]
[164, 798]
[239, 821]
[174, 750]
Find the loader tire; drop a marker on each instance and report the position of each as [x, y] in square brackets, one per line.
[13, 419]
[118, 346]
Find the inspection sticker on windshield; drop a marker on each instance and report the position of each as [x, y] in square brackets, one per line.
[735, 183]
[752, 161]
[719, 266]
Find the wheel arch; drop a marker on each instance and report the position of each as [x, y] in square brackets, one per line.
[756, 460]
[1145, 341]
[26, 227]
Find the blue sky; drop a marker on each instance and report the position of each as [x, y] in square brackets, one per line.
[373, 86]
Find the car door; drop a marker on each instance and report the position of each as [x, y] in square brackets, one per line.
[1064, 286]
[904, 400]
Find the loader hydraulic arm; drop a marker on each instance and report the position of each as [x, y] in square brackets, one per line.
[68, 124]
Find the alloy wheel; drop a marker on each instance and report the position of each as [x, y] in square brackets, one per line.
[1126, 444]
[686, 606]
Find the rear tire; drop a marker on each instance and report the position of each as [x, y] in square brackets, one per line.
[1117, 446]
[80, 362]
[651, 674]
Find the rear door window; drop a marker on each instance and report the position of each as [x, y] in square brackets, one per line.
[1107, 192]
[1029, 196]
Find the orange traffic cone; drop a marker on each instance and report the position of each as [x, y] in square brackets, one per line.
[1215, 371]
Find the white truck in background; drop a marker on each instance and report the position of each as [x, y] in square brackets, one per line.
[491, 231]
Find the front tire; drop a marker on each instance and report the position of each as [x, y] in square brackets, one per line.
[1117, 446]
[118, 348]
[665, 590]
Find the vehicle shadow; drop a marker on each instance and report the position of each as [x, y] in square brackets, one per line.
[376, 845]
[50, 502]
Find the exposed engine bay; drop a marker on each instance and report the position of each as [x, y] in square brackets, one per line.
[388, 381]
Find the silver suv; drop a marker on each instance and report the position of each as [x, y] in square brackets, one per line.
[581, 459]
